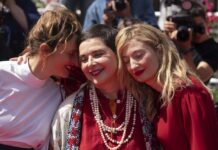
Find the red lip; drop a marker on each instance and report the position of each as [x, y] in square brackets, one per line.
[138, 73]
[96, 72]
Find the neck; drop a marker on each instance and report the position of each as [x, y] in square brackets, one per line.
[155, 85]
[110, 90]
[37, 68]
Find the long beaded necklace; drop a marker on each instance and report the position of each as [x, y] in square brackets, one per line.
[113, 107]
[105, 130]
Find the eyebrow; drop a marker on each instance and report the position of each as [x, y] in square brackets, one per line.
[96, 51]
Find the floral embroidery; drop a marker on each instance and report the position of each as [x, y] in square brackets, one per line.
[73, 137]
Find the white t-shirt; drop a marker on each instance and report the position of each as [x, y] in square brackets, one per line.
[27, 106]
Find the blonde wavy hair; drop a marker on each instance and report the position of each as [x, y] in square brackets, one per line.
[53, 27]
[172, 72]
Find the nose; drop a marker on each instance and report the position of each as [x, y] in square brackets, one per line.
[91, 61]
[133, 64]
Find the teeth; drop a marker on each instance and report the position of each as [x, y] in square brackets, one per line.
[90, 71]
[94, 72]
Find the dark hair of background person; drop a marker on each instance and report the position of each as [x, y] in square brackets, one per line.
[12, 34]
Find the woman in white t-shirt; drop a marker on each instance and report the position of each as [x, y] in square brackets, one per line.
[28, 95]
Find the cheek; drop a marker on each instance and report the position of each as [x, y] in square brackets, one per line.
[84, 69]
[114, 63]
[156, 64]
[128, 68]
[147, 59]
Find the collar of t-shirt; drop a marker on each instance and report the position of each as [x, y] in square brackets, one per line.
[28, 77]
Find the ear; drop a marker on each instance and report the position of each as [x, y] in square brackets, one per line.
[44, 50]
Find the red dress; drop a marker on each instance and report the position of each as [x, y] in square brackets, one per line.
[189, 122]
[91, 138]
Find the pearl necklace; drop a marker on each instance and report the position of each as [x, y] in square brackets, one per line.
[104, 129]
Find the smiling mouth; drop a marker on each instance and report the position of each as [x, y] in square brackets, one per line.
[138, 73]
[95, 72]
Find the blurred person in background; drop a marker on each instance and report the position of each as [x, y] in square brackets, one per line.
[16, 19]
[111, 11]
[73, 5]
[79, 7]
[188, 29]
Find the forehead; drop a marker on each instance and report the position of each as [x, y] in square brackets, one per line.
[135, 45]
[70, 45]
[91, 45]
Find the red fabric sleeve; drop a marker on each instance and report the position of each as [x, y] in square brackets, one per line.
[199, 118]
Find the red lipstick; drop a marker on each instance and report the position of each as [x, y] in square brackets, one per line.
[138, 73]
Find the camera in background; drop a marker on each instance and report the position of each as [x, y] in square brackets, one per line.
[119, 5]
[183, 22]
[170, 2]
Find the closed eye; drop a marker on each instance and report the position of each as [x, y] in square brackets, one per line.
[138, 55]
[83, 59]
[98, 54]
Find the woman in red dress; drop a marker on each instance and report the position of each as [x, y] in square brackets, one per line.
[101, 114]
[176, 100]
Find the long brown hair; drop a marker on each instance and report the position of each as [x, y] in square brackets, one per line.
[172, 70]
[53, 28]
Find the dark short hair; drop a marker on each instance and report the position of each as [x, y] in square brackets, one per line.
[198, 10]
[106, 33]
